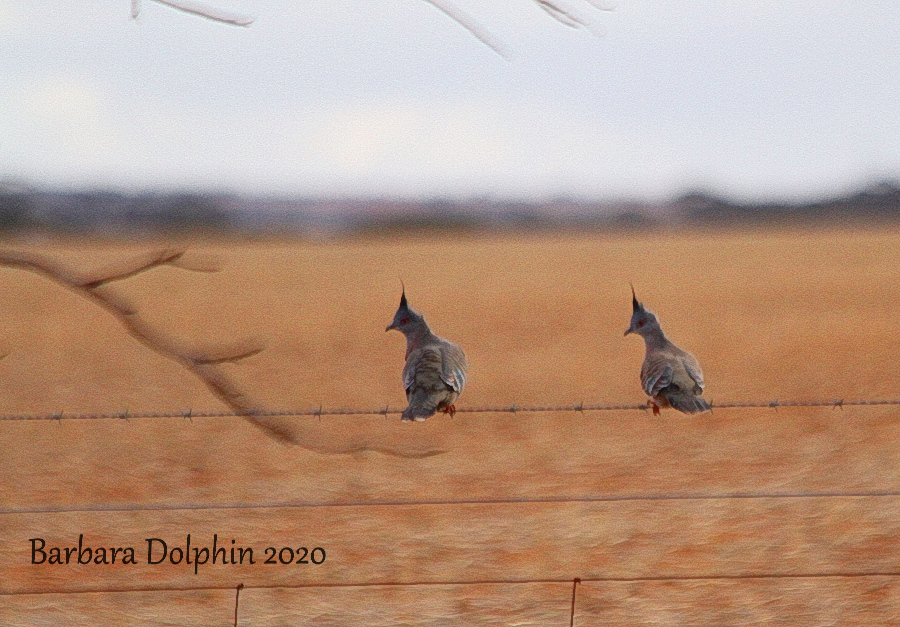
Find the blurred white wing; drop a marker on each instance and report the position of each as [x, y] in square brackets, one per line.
[469, 23]
[201, 9]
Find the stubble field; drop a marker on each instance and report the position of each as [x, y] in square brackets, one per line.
[641, 508]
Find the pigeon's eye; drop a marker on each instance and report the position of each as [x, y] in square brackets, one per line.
[641, 323]
[404, 320]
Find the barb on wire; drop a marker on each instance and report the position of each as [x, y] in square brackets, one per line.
[385, 411]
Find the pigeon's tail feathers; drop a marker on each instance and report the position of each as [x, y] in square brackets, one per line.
[688, 403]
[427, 389]
[415, 414]
[424, 402]
[422, 405]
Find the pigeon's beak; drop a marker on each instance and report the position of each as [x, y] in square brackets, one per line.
[390, 326]
[628, 330]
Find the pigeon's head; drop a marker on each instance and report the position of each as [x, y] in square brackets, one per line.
[643, 321]
[406, 320]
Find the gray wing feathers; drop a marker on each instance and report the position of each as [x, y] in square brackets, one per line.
[692, 366]
[426, 387]
[454, 367]
[656, 374]
[675, 376]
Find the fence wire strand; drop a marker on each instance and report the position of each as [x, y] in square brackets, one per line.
[476, 582]
[548, 500]
[388, 411]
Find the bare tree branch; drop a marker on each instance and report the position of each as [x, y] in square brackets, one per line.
[208, 366]
[554, 8]
[197, 262]
[199, 8]
[471, 25]
[602, 6]
[136, 267]
[230, 355]
[560, 14]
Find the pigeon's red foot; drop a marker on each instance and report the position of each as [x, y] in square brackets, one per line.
[654, 407]
[449, 409]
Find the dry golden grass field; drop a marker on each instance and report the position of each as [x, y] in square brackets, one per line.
[813, 540]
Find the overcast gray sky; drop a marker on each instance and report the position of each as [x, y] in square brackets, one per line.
[762, 99]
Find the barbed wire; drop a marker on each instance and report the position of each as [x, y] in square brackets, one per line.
[388, 411]
[471, 582]
[547, 500]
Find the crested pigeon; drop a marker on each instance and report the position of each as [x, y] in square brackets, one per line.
[670, 376]
[435, 371]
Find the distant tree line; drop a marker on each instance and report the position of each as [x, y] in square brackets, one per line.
[111, 212]
[877, 202]
[24, 210]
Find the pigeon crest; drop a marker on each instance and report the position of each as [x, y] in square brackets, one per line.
[435, 372]
[670, 376]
